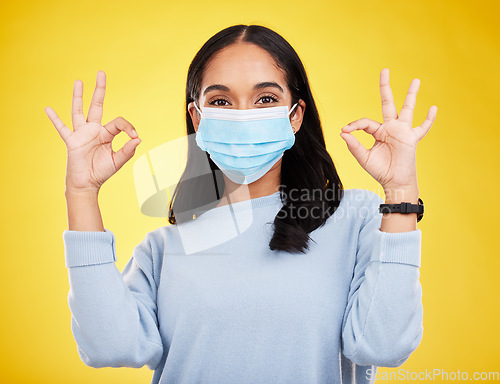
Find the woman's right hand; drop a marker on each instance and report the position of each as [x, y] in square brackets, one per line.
[91, 160]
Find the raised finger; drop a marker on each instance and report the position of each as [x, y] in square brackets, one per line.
[115, 126]
[427, 124]
[389, 110]
[77, 115]
[95, 109]
[61, 128]
[368, 125]
[406, 113]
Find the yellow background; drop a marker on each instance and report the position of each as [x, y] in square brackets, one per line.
[145, 49]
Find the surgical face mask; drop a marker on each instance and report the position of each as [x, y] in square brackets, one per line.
[245, 143]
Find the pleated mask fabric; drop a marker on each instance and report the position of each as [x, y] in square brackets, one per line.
[245, 143]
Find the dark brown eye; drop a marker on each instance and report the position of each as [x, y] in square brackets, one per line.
[214, 102]
[269, 99]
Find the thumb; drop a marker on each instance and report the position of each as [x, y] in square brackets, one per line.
[126, 152]
[355, 147]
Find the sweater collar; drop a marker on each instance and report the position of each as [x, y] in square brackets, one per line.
[273, 199]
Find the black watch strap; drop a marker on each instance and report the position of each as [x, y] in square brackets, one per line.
[404, 208]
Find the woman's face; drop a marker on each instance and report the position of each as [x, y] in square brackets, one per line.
[245, 76]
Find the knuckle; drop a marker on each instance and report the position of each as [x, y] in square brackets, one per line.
[119, 121]
[386, 101]
[366, 120]
[125, 121]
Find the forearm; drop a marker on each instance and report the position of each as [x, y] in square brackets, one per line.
[400, 222]
[113, 325]
[114, 319]
[83, 211]
[385, 323]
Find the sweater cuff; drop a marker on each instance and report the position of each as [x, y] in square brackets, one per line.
[88, 247]
[398, 247]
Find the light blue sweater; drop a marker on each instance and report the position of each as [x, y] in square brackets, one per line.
[208, 301]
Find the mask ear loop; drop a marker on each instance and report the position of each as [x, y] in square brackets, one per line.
[291, 112]
[194, 102]
[292, 108]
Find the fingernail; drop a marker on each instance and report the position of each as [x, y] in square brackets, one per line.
[344, 127]
[134, 133]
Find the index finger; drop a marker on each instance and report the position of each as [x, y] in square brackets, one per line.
[115, 126]
[95, 109]
[389, 110]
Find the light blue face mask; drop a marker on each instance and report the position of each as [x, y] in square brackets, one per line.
[245, 143]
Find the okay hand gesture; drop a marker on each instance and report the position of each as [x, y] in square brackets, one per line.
[91, 160]
[392, 159]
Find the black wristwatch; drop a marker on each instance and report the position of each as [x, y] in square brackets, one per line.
[404, 208]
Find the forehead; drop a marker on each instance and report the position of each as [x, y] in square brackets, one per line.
[240, 66]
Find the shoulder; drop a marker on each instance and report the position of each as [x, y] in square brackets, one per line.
[158, 238]
[149, 253]
[172, 239]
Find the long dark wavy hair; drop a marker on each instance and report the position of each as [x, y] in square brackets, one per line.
[306, 168]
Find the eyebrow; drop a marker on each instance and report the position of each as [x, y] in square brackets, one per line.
[264, 84]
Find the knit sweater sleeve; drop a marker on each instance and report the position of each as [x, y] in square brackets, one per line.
[383, 321]
[113, 314]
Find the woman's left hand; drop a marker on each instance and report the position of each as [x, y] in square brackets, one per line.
[392, 159]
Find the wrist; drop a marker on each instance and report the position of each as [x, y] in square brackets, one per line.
[81, 192]
[409, 194]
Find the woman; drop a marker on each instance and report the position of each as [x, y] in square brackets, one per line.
[286, 277]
